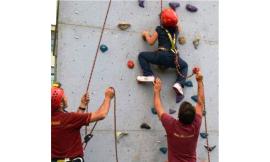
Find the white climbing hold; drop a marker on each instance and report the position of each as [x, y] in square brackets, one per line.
[120, 135]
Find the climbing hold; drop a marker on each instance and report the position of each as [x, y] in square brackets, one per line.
[76, 12]
[209, 148]
[182, 40]
[120, 135]
[158, 141]
[141, 3]
[130, 64]
[188, 83]
[145, 126]
[203, 135]
[194, 98]
[163, 150]
[196, 43]
[153, 110]
[174, 5]
[103, 48]
[191, 8]
[123, 25]
[172, 111]
[76, 37]
[179, 98]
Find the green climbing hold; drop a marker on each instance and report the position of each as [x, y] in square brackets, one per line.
[163, 150]
[153, 110]
[103, 48]
[188, 83]
[194, 98]
[204, 135]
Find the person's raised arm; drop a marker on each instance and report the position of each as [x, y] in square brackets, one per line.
[157, 100]
[103, 110]
[201, 98]
[151, 39]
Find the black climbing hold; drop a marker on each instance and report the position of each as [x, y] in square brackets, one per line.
[163, 150]
[194, 98]
[179, 98]
[153, 110]
[204, 113]
[209, 148]
[141, 3]
[191, 8]
[188, 83]
[87, 138]
[172, 111]
[103, 48]
[204, 135]
[123, 25]
[174, 5]
[145, 126]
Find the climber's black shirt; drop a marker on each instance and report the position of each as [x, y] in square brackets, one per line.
[163, 39]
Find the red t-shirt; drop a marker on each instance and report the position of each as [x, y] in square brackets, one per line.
[66, 137]
[182, 139]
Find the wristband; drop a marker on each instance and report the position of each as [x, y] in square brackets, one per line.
[82, 108]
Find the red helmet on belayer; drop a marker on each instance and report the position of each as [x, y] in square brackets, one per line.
[168, 18]
[57, 95]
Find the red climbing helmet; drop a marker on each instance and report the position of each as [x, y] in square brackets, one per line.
[168, 17]
[57, 95]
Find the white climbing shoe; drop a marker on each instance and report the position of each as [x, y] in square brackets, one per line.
[178, 89]
[145, 78]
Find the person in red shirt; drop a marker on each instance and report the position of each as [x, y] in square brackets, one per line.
[182, 134]
[66, 143]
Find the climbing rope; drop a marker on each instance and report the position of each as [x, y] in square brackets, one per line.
[88, 136]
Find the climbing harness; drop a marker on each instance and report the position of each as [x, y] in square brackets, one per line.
[176, 54]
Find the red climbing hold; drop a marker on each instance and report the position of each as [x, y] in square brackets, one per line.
[169, 18]
[130, 64]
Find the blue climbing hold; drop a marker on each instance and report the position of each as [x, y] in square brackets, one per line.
[188, 83]
[153, 110]
[163, 150]
[172, 111]
[204, 135]
[103, 48]
[141, 3]
[194, 98]
[174, 5]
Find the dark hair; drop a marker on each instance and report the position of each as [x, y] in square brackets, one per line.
[186, 113]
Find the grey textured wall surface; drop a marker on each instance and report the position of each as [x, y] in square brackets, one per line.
[80, 25]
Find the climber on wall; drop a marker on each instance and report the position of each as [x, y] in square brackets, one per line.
[182, 134]
[66, 143]
[167, 54]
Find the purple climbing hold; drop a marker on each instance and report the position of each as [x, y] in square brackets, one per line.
[188, 83]
[141, 3]
[179, 98]
[103, 48]
[145, 126]
[194, 98]
[172, 111]
[153, 110]
[163, 150]
[204, 135]
[191, 8]
[174, 5]
[209, 148]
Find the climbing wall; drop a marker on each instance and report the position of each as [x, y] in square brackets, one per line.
[80, 24]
